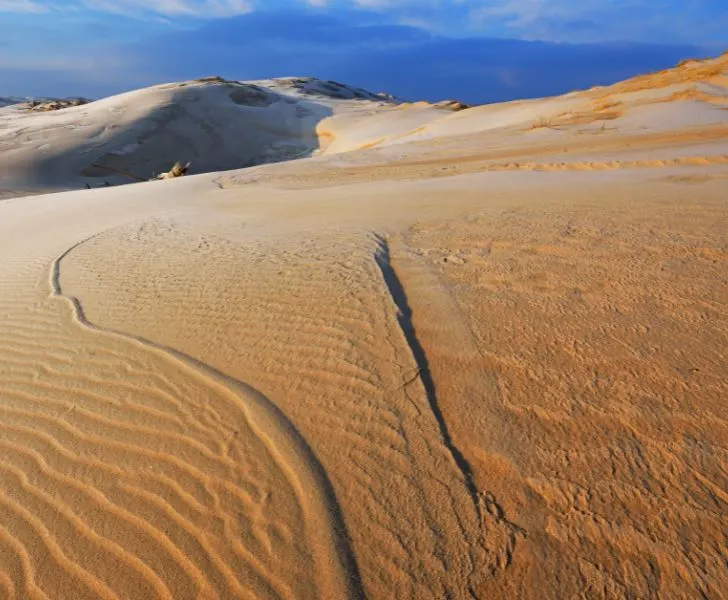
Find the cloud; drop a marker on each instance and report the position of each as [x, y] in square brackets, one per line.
[378, 49]
[684, 21]
[174, 8]
[364, 48]
[208, 9]
[607, 20]
[21, 6]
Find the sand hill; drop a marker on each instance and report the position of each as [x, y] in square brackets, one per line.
[213, 123]
[446, 354]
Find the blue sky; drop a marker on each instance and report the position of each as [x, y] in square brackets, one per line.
[474, 50]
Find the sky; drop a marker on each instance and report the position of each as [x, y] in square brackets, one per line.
[471, 50]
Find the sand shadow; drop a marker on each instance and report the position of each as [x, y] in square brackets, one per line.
[214, 125]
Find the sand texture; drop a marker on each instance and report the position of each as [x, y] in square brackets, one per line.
[472, 354]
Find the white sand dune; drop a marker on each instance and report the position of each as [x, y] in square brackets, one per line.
[213, 123]
[221, 125]
[451, 354]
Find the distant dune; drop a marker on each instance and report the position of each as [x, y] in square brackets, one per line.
[213, 123]
[450, 352]
[222, 125]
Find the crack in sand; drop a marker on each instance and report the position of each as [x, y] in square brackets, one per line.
[404, 318]
[484, 501]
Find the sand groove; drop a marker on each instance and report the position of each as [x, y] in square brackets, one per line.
[131, 472]
[404, 317]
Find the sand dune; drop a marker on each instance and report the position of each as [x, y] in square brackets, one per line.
[213, 123]
[475, 358]
[222, 125]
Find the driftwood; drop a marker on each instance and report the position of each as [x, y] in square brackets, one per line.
[51, 105]
[178, 170]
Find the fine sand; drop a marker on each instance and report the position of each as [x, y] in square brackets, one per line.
[473, 354]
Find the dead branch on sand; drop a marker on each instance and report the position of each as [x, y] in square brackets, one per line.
[178, 170]
[52, 105]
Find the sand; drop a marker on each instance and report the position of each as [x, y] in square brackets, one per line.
[476, 360]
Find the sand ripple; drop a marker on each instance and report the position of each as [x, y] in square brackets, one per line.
[320, 324]
[129, 471]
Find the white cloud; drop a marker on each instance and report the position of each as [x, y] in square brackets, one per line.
[173, 8]
[21, 6]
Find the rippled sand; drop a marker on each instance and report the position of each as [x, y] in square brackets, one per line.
[443, 369]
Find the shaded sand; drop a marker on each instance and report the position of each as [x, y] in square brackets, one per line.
[213, 123]
[470, 365]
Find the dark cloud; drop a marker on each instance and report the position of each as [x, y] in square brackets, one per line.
[405, 61]
[364, 49]
[343, 28]
[489, 70]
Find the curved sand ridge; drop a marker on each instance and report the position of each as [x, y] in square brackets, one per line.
[130, 471]
[320, 324]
